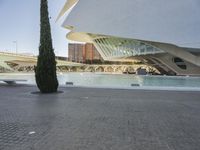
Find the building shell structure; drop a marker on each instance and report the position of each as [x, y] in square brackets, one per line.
[164, 34]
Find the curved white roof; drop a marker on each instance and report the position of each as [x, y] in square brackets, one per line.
[168, 21]
[67, 6]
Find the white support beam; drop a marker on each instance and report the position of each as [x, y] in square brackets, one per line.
[178, 52]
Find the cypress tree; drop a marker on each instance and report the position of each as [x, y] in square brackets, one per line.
[45, 72]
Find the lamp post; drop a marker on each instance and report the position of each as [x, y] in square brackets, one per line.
[16, 44]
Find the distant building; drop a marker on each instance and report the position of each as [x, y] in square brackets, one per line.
[83, 53]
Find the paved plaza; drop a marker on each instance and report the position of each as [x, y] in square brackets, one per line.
[98, 119]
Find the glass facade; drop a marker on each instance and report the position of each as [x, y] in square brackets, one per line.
[119, 47]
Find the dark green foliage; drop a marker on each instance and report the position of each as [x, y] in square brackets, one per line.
[45, 72]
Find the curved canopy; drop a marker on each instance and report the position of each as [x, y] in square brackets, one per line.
[176, 22]
[67, 6]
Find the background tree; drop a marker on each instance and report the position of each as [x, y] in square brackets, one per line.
[45, 72]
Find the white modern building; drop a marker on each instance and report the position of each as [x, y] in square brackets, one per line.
[162, 33]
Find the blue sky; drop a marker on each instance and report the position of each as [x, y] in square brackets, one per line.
[20, 20]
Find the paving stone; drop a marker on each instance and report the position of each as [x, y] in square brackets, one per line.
[98, 119]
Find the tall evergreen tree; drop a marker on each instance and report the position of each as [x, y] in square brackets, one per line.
[45, 72]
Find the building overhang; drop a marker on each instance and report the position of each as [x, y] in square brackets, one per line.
[69, 4]
[79, 37]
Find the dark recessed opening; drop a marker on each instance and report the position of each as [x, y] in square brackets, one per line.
[180, 63]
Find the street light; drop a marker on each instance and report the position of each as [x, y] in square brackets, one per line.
[16, 44]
